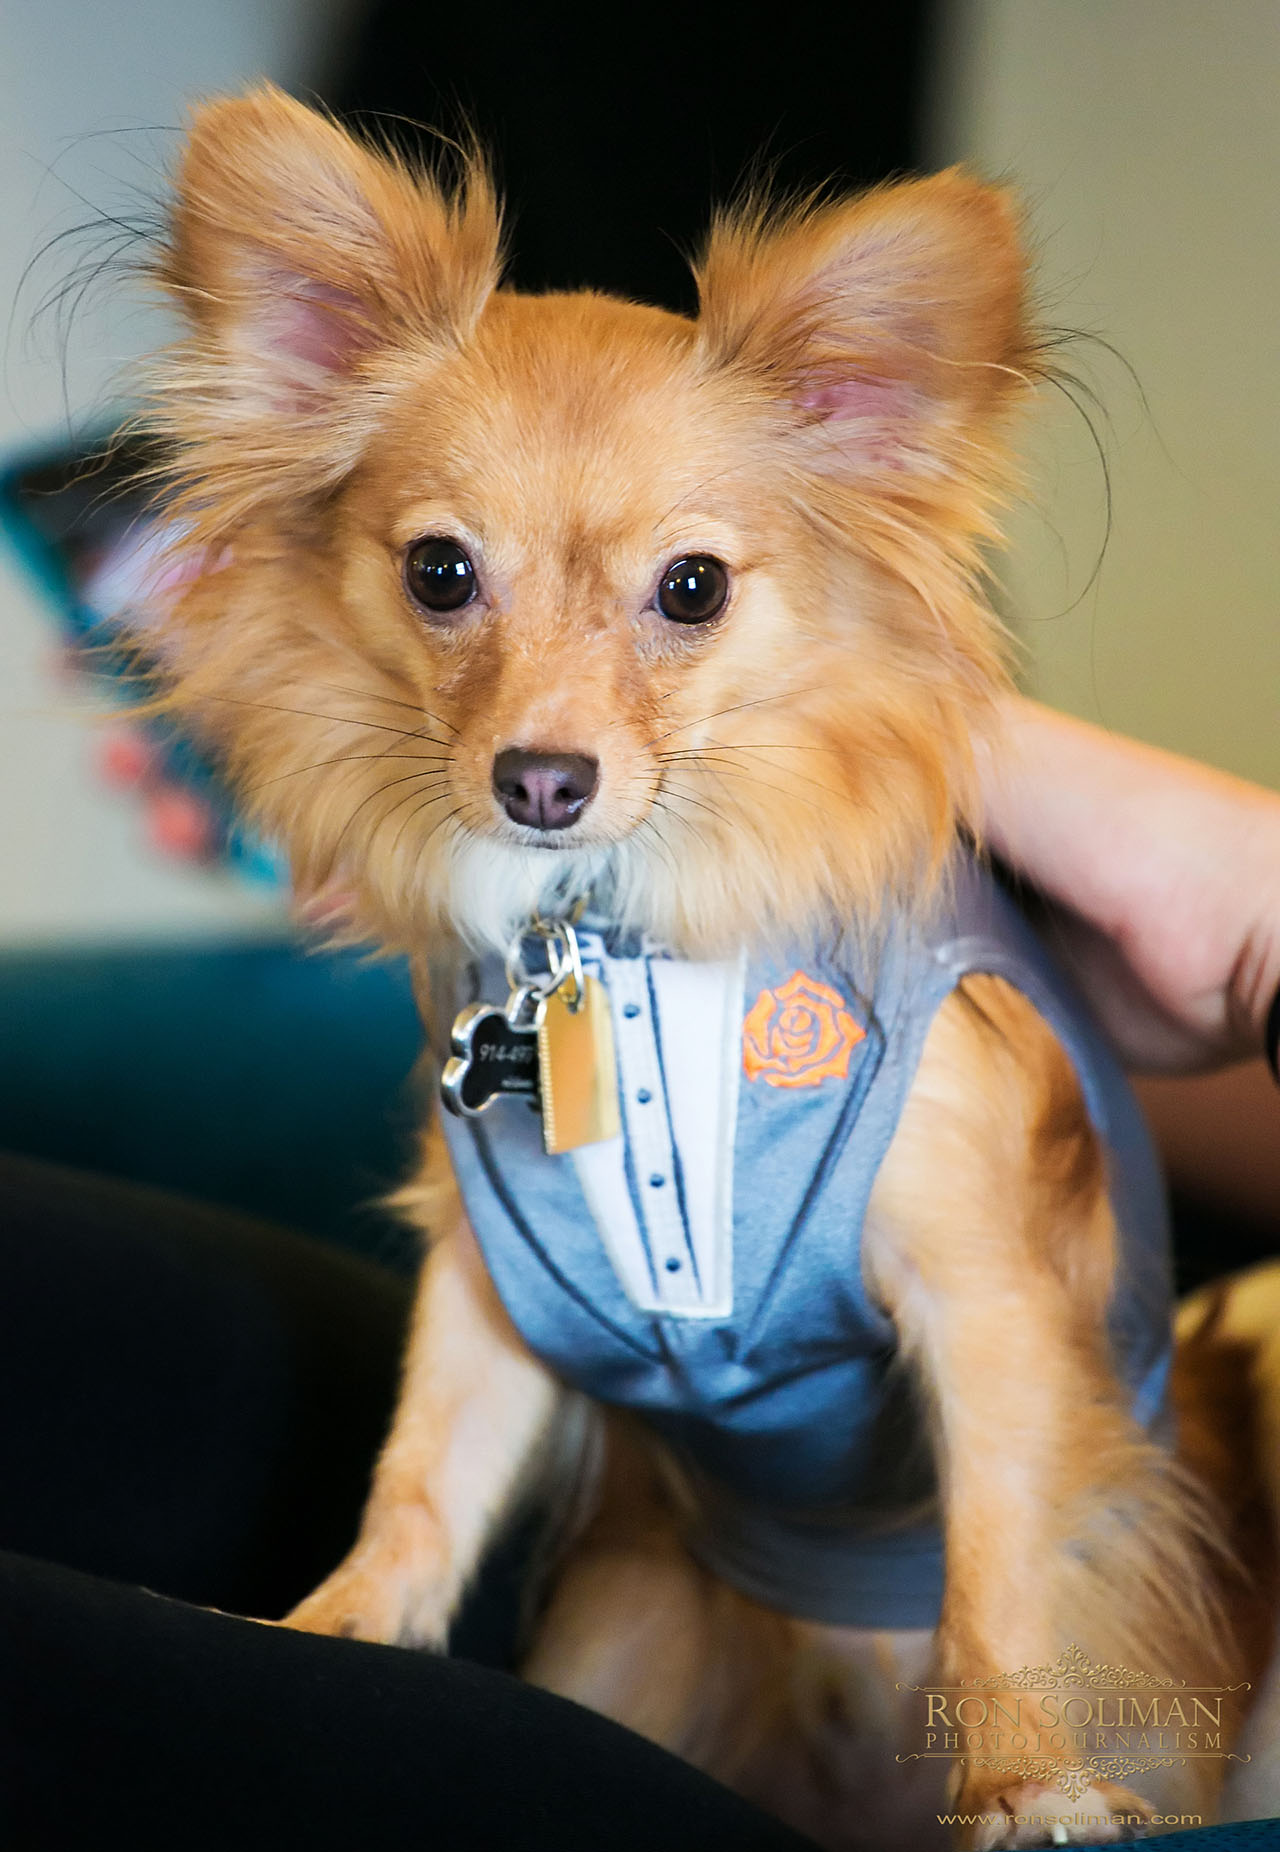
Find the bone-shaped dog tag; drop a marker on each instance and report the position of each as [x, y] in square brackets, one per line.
[577, 1067]
[551, 1044]
[494, 1052]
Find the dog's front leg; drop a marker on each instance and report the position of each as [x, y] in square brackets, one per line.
[990, 1239]
[474, 1406]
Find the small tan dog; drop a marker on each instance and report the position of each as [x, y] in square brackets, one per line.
[662, 641]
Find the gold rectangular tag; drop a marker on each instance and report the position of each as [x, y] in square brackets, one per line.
[577, 1069]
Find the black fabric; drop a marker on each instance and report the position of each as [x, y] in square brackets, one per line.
[130, 1720]
[616, 130]
[270, 1078]
[192, 1401]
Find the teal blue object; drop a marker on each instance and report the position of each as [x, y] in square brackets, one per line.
[1246, 1836]
[62, 505]
[44, 563]
[264, 1077]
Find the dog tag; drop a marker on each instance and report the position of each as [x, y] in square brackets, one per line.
[552, 1044]
[494, 1052]
[577, 1068]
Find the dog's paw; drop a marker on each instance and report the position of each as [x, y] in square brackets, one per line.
[1028, 1813]
[390, 1589]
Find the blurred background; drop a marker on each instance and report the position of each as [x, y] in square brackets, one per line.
[1145, 138]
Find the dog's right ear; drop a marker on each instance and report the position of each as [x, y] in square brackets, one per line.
[295, 252]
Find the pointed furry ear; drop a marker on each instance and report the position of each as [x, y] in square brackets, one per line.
[294, 250]
[891, 325]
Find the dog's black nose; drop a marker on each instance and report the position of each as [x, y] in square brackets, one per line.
[544, 790]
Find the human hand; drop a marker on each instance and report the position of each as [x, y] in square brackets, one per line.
[185, 825]
[1164, 876]
[180, 822]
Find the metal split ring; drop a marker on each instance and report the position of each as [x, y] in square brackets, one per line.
[564, 960]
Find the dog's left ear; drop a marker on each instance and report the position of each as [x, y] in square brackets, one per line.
[295, 252]
[890, 327]
[304, 264]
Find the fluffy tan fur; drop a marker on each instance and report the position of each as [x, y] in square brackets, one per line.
[354, 379]
[832, 426]
[1227, 1392]
[1047, 1479]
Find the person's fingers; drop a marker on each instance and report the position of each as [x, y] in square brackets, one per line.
[1174, 865]
[126, 758]
[181, 824]
[1150, 1034]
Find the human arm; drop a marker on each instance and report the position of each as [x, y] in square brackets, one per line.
[1164, 876]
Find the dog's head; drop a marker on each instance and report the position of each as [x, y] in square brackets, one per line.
[507, 597]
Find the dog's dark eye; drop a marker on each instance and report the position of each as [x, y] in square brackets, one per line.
[439, 575]
[693, 591]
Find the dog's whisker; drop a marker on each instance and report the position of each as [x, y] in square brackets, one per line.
[370, 694]
[648, 824]
[350, 758]
[686, 823]
[435, 829]
[784, 694]
[372, 796]
[686, 798]
[765, 746]
[307, 713]
[699, 488]
[413, 815]
[419, 802]
[712, 761]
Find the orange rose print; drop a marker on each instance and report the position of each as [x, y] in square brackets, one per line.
[799, 1034]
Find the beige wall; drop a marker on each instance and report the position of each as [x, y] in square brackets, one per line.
[74, 862]
[1145, 135]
